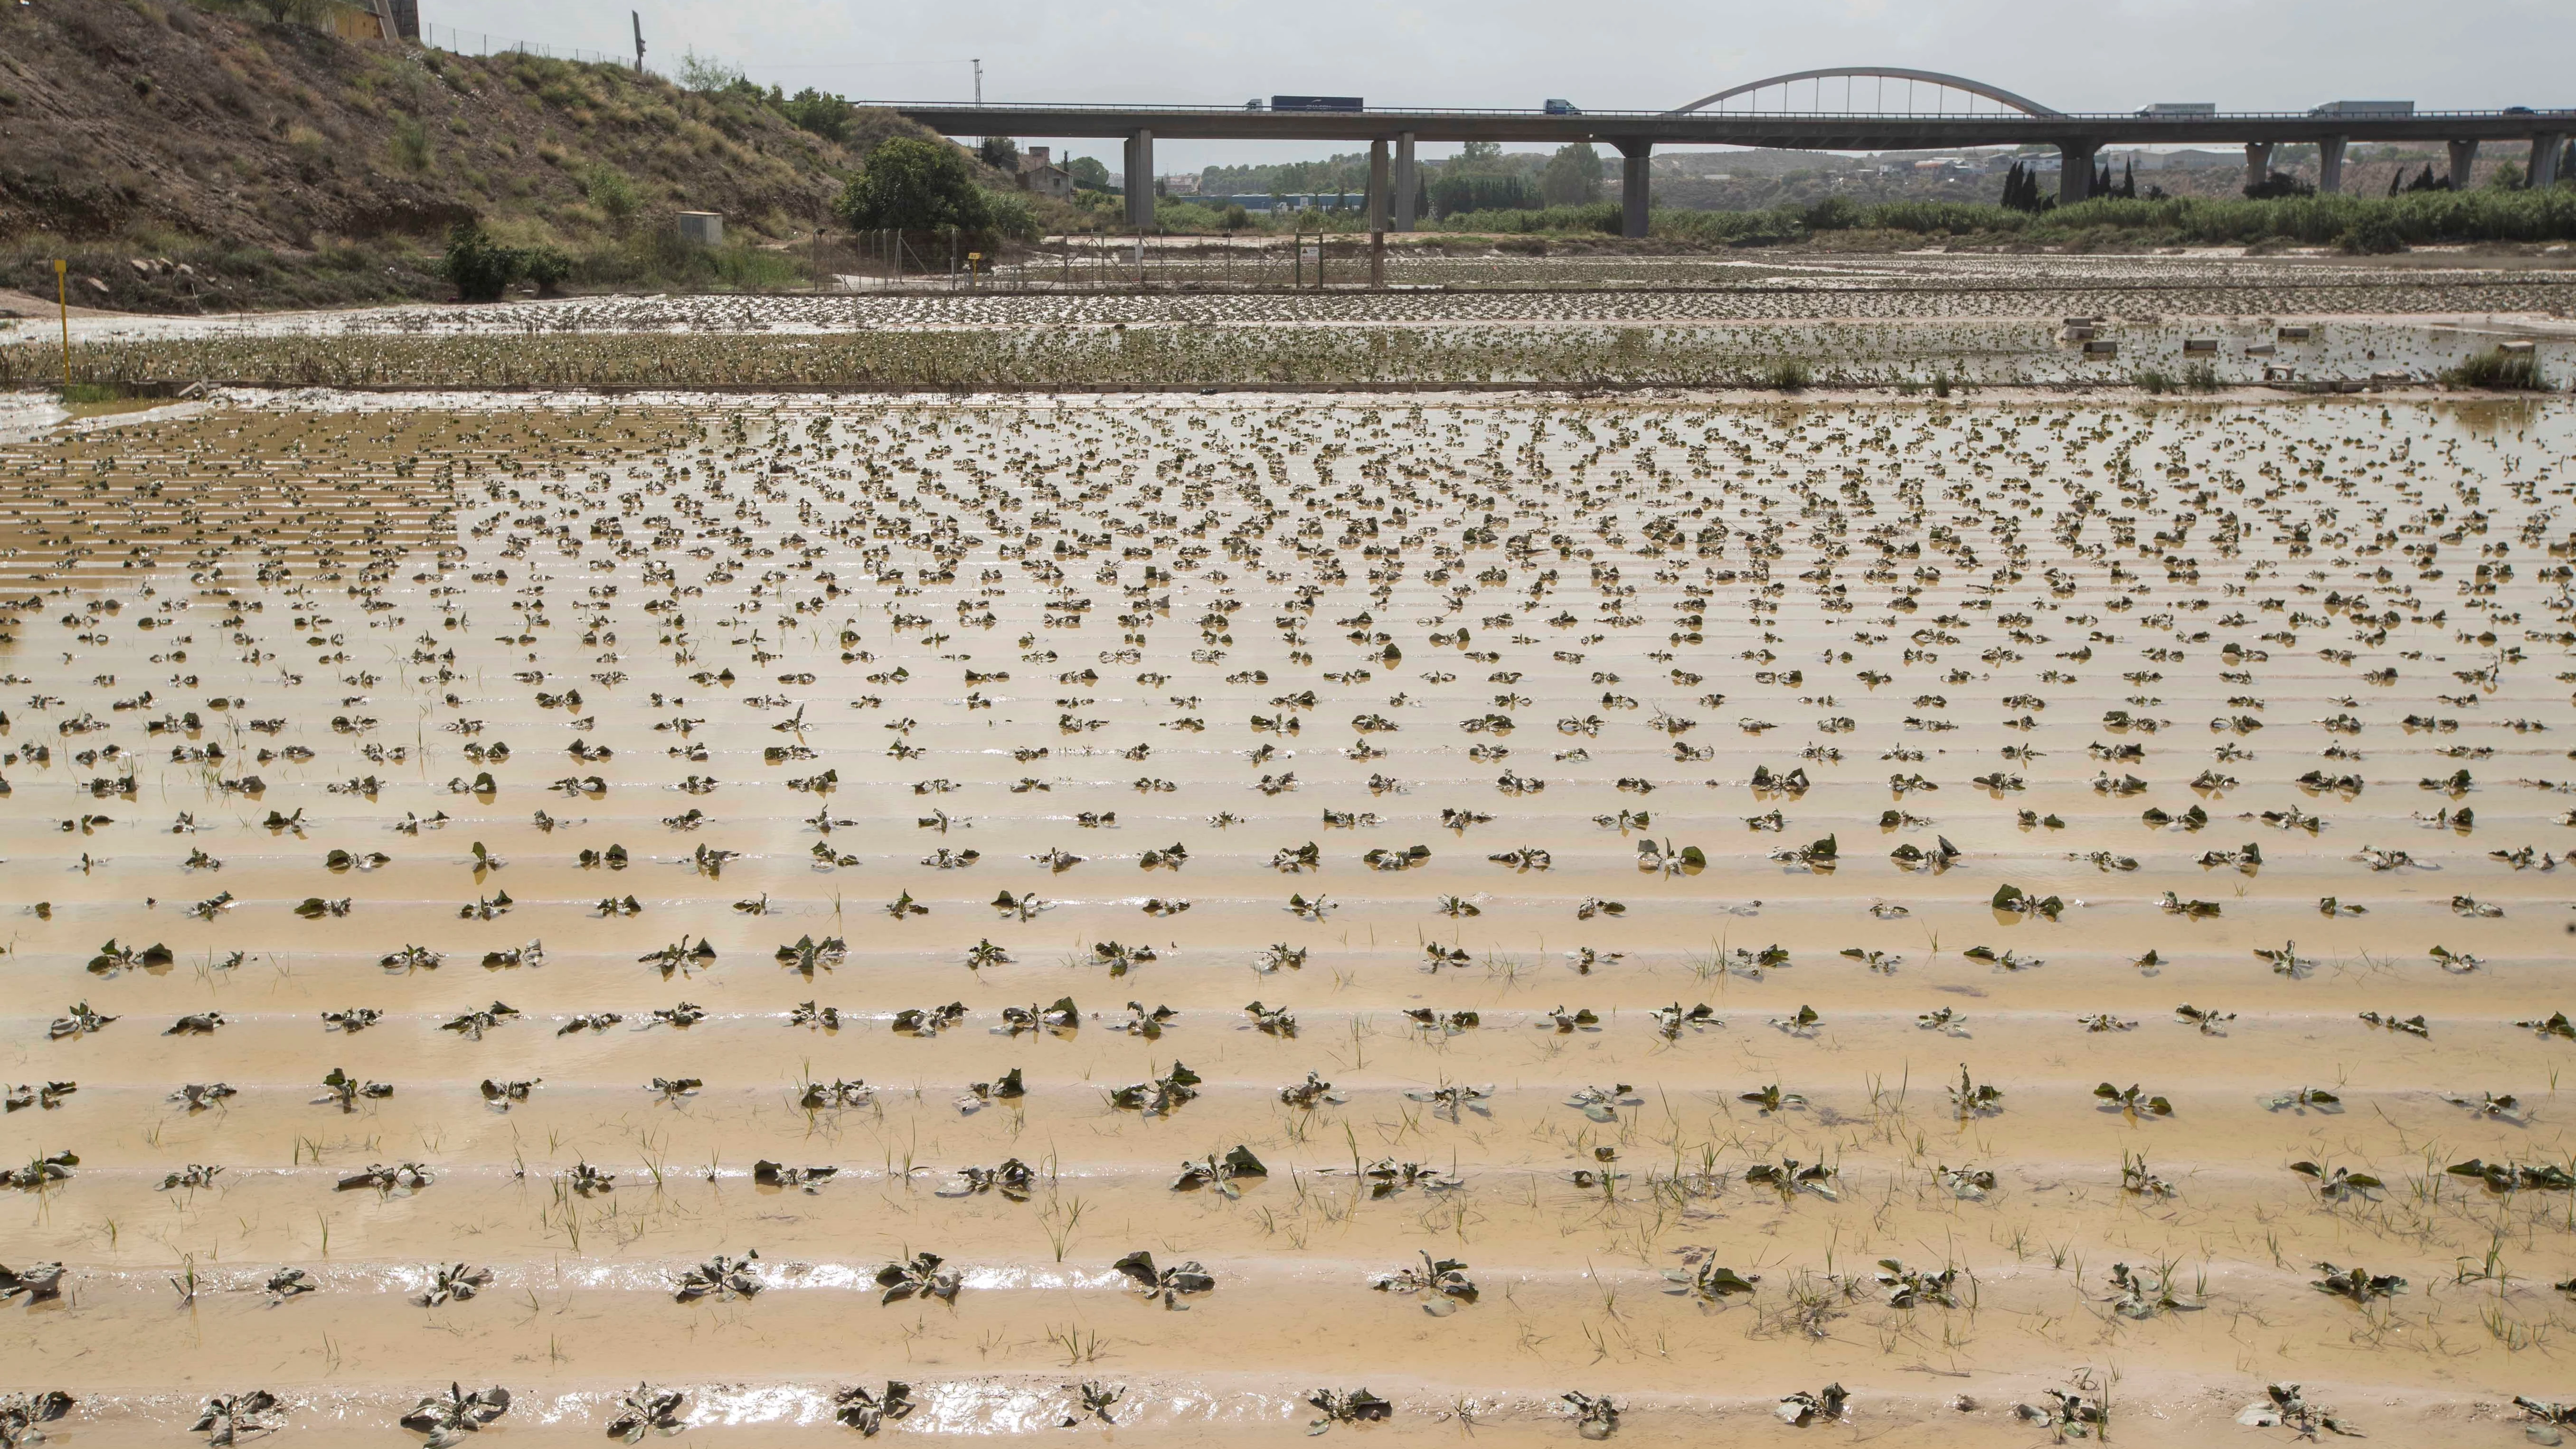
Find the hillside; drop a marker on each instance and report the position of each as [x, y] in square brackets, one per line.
[191, 156]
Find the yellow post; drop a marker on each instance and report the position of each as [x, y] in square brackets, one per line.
[63, 299]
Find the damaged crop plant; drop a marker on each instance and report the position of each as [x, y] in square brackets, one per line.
[1183, 908]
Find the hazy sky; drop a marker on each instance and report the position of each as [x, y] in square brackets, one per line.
[1646, 54]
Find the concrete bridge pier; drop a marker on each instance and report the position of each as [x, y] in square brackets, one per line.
[1140, 180]
[2330, 164]
[2464, 157]
[1377, 186]
[2258, 162]
[2074, 171]
[2542, 173]
[1408, 182]
[1636, 186]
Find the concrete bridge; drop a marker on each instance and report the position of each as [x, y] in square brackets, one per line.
[2006, 120]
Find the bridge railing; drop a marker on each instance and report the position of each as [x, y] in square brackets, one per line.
[1398, 113]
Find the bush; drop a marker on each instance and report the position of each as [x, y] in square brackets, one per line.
[1788, 375]
[2156, 380]
[614, 195]
[545, 266]
[480, 271]
[411, 144]
[1599, 218]
[2371, 234]
[1834, 213]
[1010, 217]
[2278, 185]
[2413, 218]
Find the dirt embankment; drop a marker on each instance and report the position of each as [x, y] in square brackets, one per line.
[245, 163]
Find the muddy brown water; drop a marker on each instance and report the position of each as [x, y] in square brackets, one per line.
[1635, 606]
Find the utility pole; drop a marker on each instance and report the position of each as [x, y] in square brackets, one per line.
[979, 82]
[638, 17]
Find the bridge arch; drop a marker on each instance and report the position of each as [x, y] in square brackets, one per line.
[1997, 94]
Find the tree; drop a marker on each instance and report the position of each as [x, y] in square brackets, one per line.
[2021, 190]
[1572, 177]
[1478, 156]
[914, 185]
[1088, 173]
[706, 75]
[1001, 153]
[1456, 192]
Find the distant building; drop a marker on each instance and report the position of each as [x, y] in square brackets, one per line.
[1040, 174]
[372, 19]
[1181, 185]
[1296, 201]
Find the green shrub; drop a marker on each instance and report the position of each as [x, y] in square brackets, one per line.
[614, 195]
[2411, 218]
[2370, 235]
[1788, 375]
[1008, 215]
[1599, 218]
[2155, 379]
[545, 266]
[1834, 213]
[410, 144]
[2200, 376]
[480, 270]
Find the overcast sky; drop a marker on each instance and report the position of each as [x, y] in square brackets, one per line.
[2074, 55]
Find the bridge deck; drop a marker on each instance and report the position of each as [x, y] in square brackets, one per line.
[1792, 130]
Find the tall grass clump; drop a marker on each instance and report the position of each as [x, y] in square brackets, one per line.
[1789, 374]
[2499, 371]
[2368, 224]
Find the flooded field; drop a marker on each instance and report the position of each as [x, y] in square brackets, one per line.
[1488, 920]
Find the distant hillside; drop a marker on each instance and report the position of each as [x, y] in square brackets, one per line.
[245, 162]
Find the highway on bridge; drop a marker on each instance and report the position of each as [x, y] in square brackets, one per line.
[2014, 121]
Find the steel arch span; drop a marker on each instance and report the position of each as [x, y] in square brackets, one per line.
[1997, 94]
